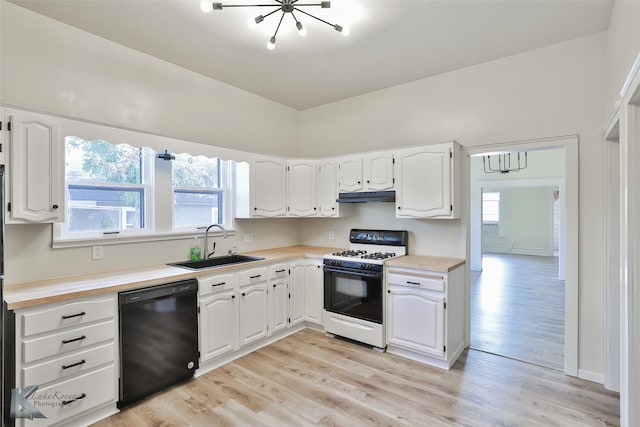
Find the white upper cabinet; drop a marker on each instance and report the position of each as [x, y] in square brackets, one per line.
[327, 189]
[377, 172]
[261, 189]
[366, 172]
[35, 178]
[350, 174]
[302, 187]
[427, 181]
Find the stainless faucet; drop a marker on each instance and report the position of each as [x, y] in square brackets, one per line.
[206, 239]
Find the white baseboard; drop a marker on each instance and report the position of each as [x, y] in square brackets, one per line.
[591, 376]
[518, 251]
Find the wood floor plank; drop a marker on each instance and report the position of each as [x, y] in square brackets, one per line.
[310, 379]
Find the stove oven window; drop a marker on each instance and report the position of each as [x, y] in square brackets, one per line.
[354, 294]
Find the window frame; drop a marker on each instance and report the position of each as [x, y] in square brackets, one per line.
[499, 222]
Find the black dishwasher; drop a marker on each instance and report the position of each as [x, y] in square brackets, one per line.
[158, 338]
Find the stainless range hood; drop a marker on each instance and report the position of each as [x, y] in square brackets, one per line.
[367, 197]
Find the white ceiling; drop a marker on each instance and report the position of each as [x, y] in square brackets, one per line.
[391, 41]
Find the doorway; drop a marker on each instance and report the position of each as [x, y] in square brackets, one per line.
[523, 293]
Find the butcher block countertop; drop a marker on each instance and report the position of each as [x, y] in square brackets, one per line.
[21, 295]
[424, 262]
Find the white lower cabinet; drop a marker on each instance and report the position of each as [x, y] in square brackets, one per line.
[417, 320]
[219, 311]
[279, 298]
[425, 315]
[306, 291]
[254, 305]
[69, 352]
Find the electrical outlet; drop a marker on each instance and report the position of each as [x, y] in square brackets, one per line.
[97, 252]
[332, 235]
[248, 237]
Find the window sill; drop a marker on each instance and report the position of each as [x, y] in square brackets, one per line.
[118, 240]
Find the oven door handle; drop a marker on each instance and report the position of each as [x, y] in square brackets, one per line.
[363, 273]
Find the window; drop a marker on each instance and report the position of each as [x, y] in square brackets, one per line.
[107, 188]
[491, 218]
[198, 194]
[123, 191]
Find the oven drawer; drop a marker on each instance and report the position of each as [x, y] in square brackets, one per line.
[431, 281]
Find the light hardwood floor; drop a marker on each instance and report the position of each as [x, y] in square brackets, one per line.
[517, 308]
[310, 379]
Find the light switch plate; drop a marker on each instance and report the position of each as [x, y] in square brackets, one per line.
[248, 237]
[332, 235]
[97, 252]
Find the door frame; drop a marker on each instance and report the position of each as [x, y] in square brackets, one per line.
[569, 218]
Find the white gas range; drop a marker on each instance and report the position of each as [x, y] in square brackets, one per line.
[353, 285]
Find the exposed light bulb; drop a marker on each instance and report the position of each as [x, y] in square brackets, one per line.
[301, 30]
[346, 31]
[272, 43]
[206, 6]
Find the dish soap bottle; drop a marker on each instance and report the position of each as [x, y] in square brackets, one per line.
[195, 253]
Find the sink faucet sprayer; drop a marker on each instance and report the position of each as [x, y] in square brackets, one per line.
[207, 254]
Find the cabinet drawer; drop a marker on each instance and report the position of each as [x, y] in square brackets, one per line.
[253, 276]
[424, 280]
[213, 284]
[279, 271]
[72, 364]
[63, 342]
[67, 315]
[68, 398]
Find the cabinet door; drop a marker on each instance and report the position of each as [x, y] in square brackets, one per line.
[254, 323]
[36, 170]
[350, 174]
[218, 325]
[327, 189]
[279, 297]
[302, 188]
[423, 182]
[269, 187]
[296, 291]
[378, 172]
[416, 320]
[313, 291]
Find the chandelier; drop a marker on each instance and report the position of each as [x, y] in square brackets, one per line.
[504, 163]
[284, 6]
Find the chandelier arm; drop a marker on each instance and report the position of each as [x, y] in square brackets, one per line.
[271, 13]
[314, 17]
[278, 27]
[307, 4]
[248, 5]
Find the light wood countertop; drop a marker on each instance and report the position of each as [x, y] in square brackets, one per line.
[21, 295]
[425, 262]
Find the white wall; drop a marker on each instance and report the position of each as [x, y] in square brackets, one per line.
[49, 66]
[53, 67]
[527, 222]
[623, 46]
[558, 90]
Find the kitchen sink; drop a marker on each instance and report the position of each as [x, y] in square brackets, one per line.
[215, 262]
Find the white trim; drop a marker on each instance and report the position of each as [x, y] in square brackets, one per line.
[518, 250]
[118, 240]
[569, 222]
[632, 82]
[590, 376]
[612, 215]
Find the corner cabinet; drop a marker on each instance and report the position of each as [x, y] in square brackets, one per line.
[428, 182]
[301, 180]
[425, 315]
[35, 169]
